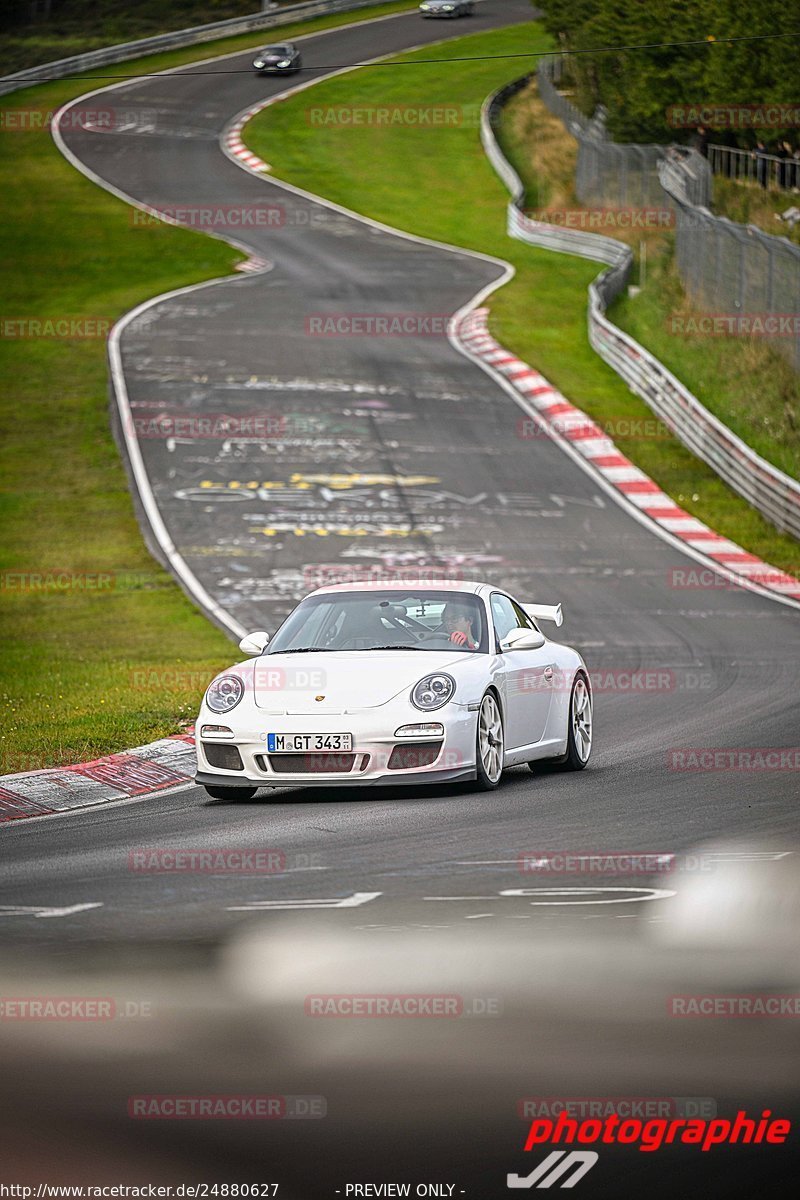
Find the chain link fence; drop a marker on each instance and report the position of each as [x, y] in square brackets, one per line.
[749, 281]
[609, 173]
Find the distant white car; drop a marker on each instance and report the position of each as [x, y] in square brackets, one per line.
[375, 684]
[446, 8]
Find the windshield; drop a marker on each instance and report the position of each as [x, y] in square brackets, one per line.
[283, 50]
[390, 620]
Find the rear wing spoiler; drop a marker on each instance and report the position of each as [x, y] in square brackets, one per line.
[545, 612]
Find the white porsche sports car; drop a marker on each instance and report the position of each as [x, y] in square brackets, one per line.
[391, 683]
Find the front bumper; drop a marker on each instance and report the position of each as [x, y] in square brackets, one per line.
[388, 779]
[373, 743]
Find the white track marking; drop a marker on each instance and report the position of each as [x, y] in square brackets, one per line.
[21, 910]
[354, 901]
[643, 893]
[565, 895]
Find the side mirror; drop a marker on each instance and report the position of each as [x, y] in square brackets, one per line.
[522, 639]
[254, 643]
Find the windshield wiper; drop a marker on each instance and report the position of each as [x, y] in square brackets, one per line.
[394, 646]
[303, 650]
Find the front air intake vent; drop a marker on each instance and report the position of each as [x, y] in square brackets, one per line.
[226, 758]
[311, 764]
[414, 754]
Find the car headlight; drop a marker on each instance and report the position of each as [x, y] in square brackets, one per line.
[433, 691]
[284, 62]
[258, 63]
[224, 693]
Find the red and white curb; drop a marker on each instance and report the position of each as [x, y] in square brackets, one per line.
[601, 454]
[167, 763]
[235, 147]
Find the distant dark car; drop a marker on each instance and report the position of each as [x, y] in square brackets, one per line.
[277, 60]
[446, 8]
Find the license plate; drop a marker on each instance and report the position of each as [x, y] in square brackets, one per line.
[302, 743]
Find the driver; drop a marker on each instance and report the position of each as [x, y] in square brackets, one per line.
[457, 622]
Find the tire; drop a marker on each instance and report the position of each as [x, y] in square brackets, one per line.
[579, 744]
[231, 793]
[489, 744]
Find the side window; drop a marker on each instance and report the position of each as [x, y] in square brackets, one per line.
[523, 620]
[503, 615]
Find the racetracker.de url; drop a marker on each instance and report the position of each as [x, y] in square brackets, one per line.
[193, 1191]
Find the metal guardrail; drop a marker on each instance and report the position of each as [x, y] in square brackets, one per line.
[773, 493]
[108, 55]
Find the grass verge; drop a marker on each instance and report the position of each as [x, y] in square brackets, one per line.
[438, 183]
[110, 654]
[749, 204]
[80, 25]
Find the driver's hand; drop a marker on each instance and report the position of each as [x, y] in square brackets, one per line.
[458, 638]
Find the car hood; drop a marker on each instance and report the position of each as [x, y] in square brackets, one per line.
[346, 680]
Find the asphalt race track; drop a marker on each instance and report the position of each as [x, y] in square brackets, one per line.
[408, 442]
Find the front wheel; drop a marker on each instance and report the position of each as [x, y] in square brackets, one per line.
[231, 793]
[579, 729]
[490, 744]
